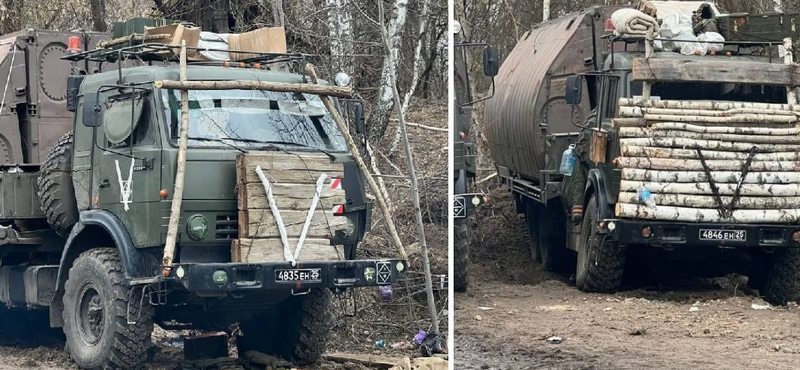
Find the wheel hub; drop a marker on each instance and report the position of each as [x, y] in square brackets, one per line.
[91, 318]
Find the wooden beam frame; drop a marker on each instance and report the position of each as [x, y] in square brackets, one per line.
[325, 90]
[715, 70]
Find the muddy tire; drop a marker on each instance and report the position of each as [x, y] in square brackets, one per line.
[462, 241]
[782, 280]
[600, 260]
[56, 193]
[532, 211]
[553, 238]
[95, 314]
[297, 330]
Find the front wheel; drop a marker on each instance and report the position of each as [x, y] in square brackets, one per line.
[782, 277]
[296, 330]
[600, 260]
[97, 306]
[461, 243]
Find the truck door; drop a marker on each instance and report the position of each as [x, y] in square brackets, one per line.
[127, 168]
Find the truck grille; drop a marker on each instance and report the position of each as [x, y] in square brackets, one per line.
[227, 227]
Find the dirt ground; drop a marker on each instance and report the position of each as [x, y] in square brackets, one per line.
[513, 307]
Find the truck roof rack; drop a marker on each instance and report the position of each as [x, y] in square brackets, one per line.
[150, 52]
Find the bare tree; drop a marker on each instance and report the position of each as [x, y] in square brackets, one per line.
[98, 9]
[379, 116]
[340, 30]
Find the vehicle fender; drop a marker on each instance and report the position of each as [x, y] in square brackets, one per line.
[99, 228]
[596, 185]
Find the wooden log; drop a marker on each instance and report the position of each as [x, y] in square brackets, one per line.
[597, 146]
[271, 249]
[655, 152]
[706, 104]
[714, 70]
[326, 90]
[260, 223]
[180, 173]
[371, 361]
[667, 213]
[289, 168]
[736, 118]
[708, 201]
[719, 177]
[696, 165]
[628, 122]
[670, 142]
[639, 112]
[725, 129]
[760, 190]
[625, 132]
[132, 38]
[288, 196]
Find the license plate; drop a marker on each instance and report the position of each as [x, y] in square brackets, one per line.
[733, 235]
[298, 275]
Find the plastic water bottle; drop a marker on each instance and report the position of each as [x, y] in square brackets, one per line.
[568, 160]
[646, 197]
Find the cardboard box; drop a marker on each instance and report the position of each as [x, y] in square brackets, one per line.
[262, 40]
[179, 32]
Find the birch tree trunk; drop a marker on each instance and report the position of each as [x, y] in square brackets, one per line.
[277, 13]
[340, 30]
[379, 116]
[418, 64]
[545, 10]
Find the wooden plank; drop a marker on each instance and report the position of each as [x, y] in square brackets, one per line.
[714, 70]
[371, 361]
[271, 249]
[288, 196]
[283, 167]
[671, 142]
[259, 223]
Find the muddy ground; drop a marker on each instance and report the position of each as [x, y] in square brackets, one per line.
[679, 322]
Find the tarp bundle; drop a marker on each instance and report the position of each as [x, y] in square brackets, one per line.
[631, 22]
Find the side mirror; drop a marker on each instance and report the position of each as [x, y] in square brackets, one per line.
[73, 87]
[491, 61]
[574, 90]
[92, 109]
[358, 118]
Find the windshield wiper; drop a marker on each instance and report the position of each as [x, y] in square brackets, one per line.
[275, 144]
[221, 141]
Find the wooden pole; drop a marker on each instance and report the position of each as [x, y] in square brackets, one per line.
[327, 90]
[180, 171]
[360, 162]
[412, 174]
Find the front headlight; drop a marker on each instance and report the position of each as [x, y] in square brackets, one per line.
[197, 227]
[341, 79]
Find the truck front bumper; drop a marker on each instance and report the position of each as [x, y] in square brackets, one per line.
[720, 235]
[282, 276]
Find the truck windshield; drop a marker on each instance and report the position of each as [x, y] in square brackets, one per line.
[250, 118]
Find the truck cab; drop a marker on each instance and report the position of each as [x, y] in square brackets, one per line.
[273, 208]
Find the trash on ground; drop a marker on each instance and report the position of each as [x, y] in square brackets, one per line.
[555, 339]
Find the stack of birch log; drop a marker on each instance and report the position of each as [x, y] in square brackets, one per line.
[659, 142]
[293, 179]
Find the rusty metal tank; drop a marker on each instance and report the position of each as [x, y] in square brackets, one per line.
[529, 100]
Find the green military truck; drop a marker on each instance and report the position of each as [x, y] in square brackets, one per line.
[688, 159]
[89, 151]
[465, 152]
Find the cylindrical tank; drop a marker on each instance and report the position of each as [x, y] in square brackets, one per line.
[529, 99]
